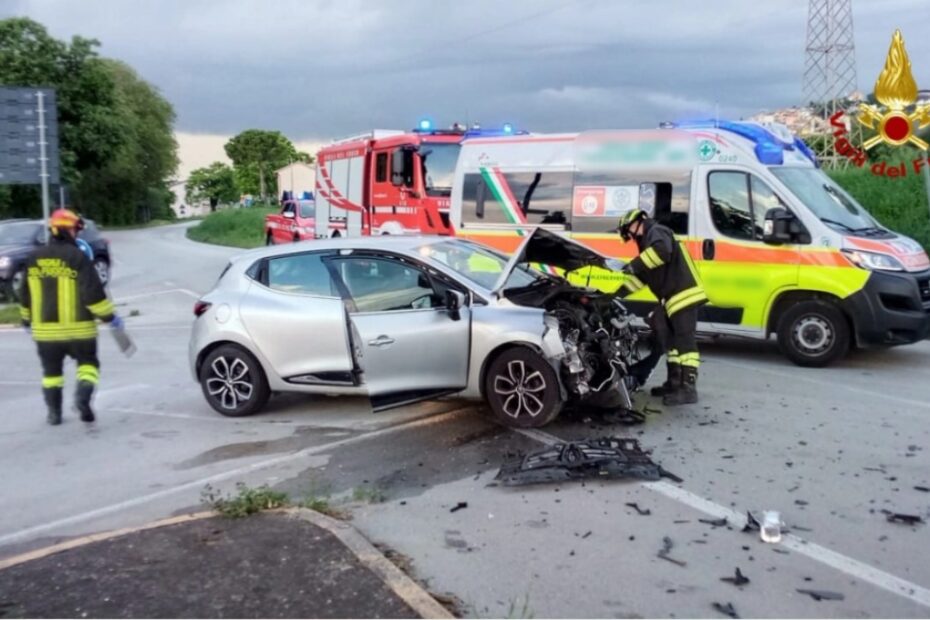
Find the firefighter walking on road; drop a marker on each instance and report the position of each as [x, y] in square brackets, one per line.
[61, 299]
[665, 266]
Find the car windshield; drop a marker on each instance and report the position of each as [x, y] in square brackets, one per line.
[18, 234]
[477, 264]
[307, 208]
[826, 199]
[439, 167]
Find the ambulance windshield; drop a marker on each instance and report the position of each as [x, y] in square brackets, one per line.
[439, 166]
[826, 199]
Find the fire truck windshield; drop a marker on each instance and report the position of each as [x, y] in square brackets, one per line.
[438, 159]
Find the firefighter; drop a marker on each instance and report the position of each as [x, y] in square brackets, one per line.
[665, 266]
[61, 297]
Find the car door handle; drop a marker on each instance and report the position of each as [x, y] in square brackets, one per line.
[381, 341]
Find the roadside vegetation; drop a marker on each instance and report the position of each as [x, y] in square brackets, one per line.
[240, 228]
[248, 501]
[9, 314]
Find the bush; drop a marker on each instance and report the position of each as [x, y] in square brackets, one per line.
[241, 228]
[900, 204]
[247, 501]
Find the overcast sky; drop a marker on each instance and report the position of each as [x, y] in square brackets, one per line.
[324, 68]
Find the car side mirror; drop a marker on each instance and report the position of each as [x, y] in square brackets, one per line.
[778, 227]
[455, 301]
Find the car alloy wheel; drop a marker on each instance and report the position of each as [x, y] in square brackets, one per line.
[520, 390]
[103, 270]
[229, 382]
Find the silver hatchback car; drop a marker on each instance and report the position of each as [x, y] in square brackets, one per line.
[401, 319]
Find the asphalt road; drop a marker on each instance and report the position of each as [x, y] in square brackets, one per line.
[828, 448]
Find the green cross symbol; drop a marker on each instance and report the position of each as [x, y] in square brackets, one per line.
[706, 150]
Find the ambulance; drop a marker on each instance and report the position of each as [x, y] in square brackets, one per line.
[781, 249]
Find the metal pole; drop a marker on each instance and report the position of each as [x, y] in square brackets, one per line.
[43, 159]
[61, 196]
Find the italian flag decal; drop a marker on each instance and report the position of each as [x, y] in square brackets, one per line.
[502, 193]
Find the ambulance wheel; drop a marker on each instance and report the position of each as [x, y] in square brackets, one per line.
[813, 333]
[522, 389]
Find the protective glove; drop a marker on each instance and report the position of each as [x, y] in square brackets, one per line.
[117, 322]
[616, 265]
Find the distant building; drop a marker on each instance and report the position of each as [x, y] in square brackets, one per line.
[801, 121]
[296, 178]
[180, 206]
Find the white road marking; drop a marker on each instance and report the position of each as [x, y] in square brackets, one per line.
[199, 483]
[829, 385]
[855, 568]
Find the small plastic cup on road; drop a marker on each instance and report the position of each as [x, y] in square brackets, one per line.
[770, 529]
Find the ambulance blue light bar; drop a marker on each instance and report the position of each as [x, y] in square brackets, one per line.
[770, 149]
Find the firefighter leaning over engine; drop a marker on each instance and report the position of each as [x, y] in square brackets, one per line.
[61, 299]
[665, 266]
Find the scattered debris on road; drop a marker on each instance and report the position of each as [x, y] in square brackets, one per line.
[603, 457]
[645, 512]
[752, 524]
[726, 610]
[898, 517]
[822, 595]
[738, 579]
[459, 506]
[922, 489]
[721, 522]
[663, 553]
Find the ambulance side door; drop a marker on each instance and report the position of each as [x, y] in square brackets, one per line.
[740, 273]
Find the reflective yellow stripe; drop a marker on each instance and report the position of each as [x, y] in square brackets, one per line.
[53, 382]
[633, 283]
[102, 308]
[651, 258]
[673, 357]
[53, 332]
[25, 313]
[35, 296]
[685, 298]
[64, 309]
[86, 372]
[690, 359]
[690, 263]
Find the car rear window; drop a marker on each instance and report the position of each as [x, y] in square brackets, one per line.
[300, 273]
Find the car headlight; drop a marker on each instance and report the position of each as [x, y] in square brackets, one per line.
[5, 262]
[873, 260]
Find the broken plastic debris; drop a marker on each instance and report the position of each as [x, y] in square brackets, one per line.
[770, 530]
[459, 506]
[822, 595]
[898, 517]
[922, 489]
[603, 457]
[663, 553]
[726, 610]
[722, 521]
[752, 524]
[642, 511]
[738, 579]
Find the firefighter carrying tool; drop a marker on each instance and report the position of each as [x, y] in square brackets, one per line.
[60, 298]
[665, 266]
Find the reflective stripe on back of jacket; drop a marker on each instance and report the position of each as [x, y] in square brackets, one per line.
[665, 266]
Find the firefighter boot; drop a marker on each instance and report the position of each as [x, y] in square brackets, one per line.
[686, 394]
[53, 403]
[673, 379]
[85, 390]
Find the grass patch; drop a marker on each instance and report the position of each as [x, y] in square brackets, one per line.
[150, 224]
[9, 314]
[368, 495]
[240, 228]
[245, 502]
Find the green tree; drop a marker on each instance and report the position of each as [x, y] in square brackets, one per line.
[303, 156]
[265, 150]
[216, 183]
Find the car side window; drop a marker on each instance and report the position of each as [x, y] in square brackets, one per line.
[300, 273]
[288, 208]
[379, 284]
[730, 206]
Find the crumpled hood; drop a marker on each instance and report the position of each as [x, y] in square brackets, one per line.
[551, 249]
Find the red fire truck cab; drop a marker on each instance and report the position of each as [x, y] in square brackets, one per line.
[388, 182]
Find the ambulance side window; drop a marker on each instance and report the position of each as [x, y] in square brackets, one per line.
[517, 198]
[730, 207]
[600, 199]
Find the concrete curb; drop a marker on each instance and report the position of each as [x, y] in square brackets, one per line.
[394, 578]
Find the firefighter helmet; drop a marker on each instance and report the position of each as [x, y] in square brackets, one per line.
[627, 220]
[64, 219]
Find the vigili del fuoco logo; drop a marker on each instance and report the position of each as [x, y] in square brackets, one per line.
[896, 90]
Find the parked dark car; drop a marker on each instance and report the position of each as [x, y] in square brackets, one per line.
[19, 237]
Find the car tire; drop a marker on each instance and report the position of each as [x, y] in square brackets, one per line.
[813, 333]
[296, 238]
[522, 389]
[269, 240]
[16, 281]
[102, 267]
[233, 382]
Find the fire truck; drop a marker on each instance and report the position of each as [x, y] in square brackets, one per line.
[390, 182]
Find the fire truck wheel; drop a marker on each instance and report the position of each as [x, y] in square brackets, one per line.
[233, 382]
[269, 240]
[813, 333]
[296, 238]
[522, 389]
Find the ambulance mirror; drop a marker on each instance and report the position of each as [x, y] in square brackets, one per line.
[777, 227]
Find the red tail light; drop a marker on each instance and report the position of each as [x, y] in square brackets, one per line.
[200, 307]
